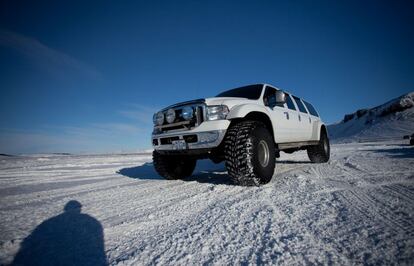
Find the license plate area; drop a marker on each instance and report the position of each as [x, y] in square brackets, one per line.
[179, 144]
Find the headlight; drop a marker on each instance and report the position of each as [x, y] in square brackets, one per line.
[158, 119]
[217, 112]
[170, 116]
[187, 113]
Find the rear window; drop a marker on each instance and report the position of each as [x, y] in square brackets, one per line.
[252, 92]
[300, 105]
[311, 109]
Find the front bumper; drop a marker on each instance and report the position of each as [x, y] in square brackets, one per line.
[209, 135]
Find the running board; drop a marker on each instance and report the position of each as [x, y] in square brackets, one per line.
[290, 145]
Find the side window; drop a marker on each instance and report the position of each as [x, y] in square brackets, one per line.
[289, 102]
[269, 97]
[311, 109]
[300, 105]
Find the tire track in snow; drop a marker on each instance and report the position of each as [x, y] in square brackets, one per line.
[170, 198]
[402, 191]
[200, 221]
[358, 197]
[371, 210]
[395, 206]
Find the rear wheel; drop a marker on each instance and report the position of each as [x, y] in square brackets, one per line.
[173, 167]
[249, 152]
[320, 153]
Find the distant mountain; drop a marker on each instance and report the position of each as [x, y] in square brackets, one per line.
[6, 155]
[393, 119]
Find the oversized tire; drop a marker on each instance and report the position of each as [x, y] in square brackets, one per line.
[320, 153]
[249, 152]
[173, 167]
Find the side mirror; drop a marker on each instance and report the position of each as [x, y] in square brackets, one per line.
[280, 97]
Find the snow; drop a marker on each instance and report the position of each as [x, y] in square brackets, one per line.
[358, 208]
[391, 120]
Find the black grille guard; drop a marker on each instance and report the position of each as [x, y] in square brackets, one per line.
[198, 101]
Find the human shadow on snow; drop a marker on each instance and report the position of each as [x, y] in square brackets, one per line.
[70, 238]
[205, 172]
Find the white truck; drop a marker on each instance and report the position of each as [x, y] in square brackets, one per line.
[246, 127]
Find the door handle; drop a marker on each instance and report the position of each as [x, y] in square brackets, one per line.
[287, 115]
[310, 120]
[299, 118]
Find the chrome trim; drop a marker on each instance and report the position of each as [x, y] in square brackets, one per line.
[288, 145]
[263, 153]
[206, 139]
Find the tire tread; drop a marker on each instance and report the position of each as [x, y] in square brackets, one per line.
[171, 168]
[238, 152]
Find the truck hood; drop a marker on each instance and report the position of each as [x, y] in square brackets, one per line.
[229, 101]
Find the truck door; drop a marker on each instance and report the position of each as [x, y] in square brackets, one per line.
[305, 122]
[313, 114]
[284, 120]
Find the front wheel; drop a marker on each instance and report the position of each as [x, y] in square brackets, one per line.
[249, 152]
[320, 153]
[173, 167]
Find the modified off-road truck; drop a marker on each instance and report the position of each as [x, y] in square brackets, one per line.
[246, 127]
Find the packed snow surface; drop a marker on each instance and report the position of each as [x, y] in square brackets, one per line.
[358, 208]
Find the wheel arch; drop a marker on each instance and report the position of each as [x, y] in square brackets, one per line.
[256, 116]
[324, 129]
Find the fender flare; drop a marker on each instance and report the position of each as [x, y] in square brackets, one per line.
[241, 111]
[253, 112]
[321, 127]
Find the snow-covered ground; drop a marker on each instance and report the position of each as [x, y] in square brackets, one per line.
[358, 208]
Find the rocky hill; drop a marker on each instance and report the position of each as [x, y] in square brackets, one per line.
[393, 119]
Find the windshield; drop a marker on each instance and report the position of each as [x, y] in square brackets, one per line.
[252, 92]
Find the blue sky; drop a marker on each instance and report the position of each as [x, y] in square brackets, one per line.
[78, 76]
